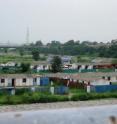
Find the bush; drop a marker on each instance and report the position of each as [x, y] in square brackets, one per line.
[22, 91]
[14, 100]
[3, 100]
[37, 97]
[80, 97]
[52, 98]
[27, 98]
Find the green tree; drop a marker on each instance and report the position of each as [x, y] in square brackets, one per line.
[6, 50]
[56, 64]
[21, 52]
[35, 54]
[25, 67]
[39, 43]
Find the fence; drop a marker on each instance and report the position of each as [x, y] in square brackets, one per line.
[61, 90]
[104, 88]
[88, 70]
[19, 91]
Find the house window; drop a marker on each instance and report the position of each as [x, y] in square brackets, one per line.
[109, 78]
[103, 77]
[24, 80]
[2, 80]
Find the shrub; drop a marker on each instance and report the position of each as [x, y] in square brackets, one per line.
[35, 97]
[22, 91]
[14, 100]
[26, 98]
[3, 100]
[93, 96]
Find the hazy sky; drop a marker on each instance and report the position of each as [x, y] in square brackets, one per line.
[61, 20]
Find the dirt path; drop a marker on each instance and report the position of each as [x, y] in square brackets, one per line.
[58, 105]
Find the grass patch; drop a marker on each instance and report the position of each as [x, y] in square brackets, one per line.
[93, 96]
[38, 97]
[29, 98]
[77, 91]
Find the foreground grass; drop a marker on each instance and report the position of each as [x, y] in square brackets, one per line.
[93, 96]
[29, 98]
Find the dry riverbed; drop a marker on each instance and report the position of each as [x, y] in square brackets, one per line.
[57, 105]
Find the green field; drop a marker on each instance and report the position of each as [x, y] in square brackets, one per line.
[17, 58]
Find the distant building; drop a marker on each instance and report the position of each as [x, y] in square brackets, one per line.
[9, 64]
[90, 78]
[65, 59]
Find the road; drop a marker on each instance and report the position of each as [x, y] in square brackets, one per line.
[84, 115]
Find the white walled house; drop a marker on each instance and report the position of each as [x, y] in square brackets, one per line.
[89, 78]
[42, 67]
[90, 67]
[99, 82]
[11, 64]
[19, 80]
[74, 66]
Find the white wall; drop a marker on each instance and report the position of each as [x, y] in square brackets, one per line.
[82, 67]
[113, 79]
[38, 81]
[90, 67]
[19, 82]
[74, 66]
[29, 82]
[100, 82]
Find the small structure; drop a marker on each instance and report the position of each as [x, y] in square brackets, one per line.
[11, 83]
[19, 80]
[86, 79]
[65, 59]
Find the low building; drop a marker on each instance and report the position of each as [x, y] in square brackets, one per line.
[10, 83]
[65, 59]
[19, 80]
[9, 64]
[89, 78]
[42, 67]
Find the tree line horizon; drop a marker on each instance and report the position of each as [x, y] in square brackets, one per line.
[72, 47]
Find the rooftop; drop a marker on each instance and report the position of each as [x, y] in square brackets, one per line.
[18, 75]
[89, 76]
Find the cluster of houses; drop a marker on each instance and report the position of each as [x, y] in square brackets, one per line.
[67, 65]
[79, 67]
[90, 81]
[13, 82]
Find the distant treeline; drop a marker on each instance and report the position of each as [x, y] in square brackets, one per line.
[78, 48]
